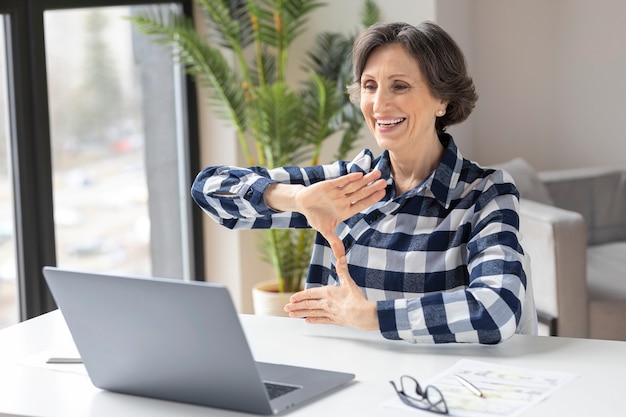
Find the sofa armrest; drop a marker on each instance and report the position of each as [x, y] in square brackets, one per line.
[555, 239]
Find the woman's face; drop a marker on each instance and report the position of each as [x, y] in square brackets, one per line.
[396, 101]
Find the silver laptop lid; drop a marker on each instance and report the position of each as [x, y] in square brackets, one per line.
[161, 338]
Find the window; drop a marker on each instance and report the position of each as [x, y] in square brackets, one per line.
[8, 275]
[105, 145]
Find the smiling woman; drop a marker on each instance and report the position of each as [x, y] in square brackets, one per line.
[419, 242]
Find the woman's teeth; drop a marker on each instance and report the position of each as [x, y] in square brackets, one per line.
[391, 122]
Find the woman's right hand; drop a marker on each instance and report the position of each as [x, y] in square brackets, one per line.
[327, 203]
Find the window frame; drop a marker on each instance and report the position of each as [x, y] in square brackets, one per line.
[31, 146]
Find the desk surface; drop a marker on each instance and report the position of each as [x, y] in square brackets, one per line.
[28, 390]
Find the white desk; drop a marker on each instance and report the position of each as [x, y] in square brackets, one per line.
[27, 390]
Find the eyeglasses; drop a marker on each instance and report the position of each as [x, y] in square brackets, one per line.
[430, 399]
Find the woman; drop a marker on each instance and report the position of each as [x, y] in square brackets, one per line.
[418, 243]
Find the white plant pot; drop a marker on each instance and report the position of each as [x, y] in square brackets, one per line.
[267, 301]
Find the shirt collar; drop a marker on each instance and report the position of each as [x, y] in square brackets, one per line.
[442, 181]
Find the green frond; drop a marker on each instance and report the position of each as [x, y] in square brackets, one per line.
[229, 21]
[329, 56]
[293, 16]
[239, 12]
[269, 68]
[322, 104]
[274, 115]
[289, 253]
[233, 28]
[323, 59]
[204, 62]
[288, 126]
[370, 14]
[353, 123]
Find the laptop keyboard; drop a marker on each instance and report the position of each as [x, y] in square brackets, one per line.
[276, 390]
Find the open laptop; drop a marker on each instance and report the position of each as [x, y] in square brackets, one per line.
[175, 340]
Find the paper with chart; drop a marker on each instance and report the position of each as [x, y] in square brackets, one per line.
[507, 390]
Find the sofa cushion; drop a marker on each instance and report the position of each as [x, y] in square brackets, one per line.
[526, 180]
[598, 193]
[606, 276]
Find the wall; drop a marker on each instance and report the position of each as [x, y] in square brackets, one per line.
[550, 75]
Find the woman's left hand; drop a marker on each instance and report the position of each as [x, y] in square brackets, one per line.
[343, 305]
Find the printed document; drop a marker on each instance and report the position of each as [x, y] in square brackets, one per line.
[506, 390]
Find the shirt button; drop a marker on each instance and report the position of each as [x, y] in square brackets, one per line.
[373, 218]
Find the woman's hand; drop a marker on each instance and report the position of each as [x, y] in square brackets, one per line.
[343, 305]
[325, 204]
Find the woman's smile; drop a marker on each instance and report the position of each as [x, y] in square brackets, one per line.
[389, 124]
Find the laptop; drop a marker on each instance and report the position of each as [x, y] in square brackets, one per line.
[176, 340]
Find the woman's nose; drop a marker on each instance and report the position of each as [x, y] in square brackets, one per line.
[381, 99]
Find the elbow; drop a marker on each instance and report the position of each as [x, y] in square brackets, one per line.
[494, 333]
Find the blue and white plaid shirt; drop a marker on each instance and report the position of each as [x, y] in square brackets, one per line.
[443, 260]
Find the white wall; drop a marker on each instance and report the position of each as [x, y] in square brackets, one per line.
[550, 75]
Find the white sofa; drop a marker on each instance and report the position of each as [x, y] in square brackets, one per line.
[573, 225]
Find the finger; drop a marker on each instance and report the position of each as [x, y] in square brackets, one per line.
[367, 190]
[363, 204]
[336, 245]
[358, 182]
[342, 272]
[347, 179]
[298, 309]
[372, 176]
[308, 294]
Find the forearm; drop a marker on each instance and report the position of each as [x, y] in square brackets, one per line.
[282, 197]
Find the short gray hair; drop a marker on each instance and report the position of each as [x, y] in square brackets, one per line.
[439, 58]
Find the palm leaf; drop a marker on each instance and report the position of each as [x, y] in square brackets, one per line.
[275, 114]
[282, 21]
[322, 57]
[205, 63]
[230, 22]
[287, 126]
[370, 14]
[289, 253]
[322, 103]
[232, 25]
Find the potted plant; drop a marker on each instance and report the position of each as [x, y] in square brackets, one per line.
[276, 123]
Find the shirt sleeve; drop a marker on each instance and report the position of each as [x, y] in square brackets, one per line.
[489, 309]
[233, 196]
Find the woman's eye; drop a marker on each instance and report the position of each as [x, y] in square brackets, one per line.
[400, 87]
[369, 86]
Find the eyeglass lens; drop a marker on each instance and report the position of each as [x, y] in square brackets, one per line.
[412, 394]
